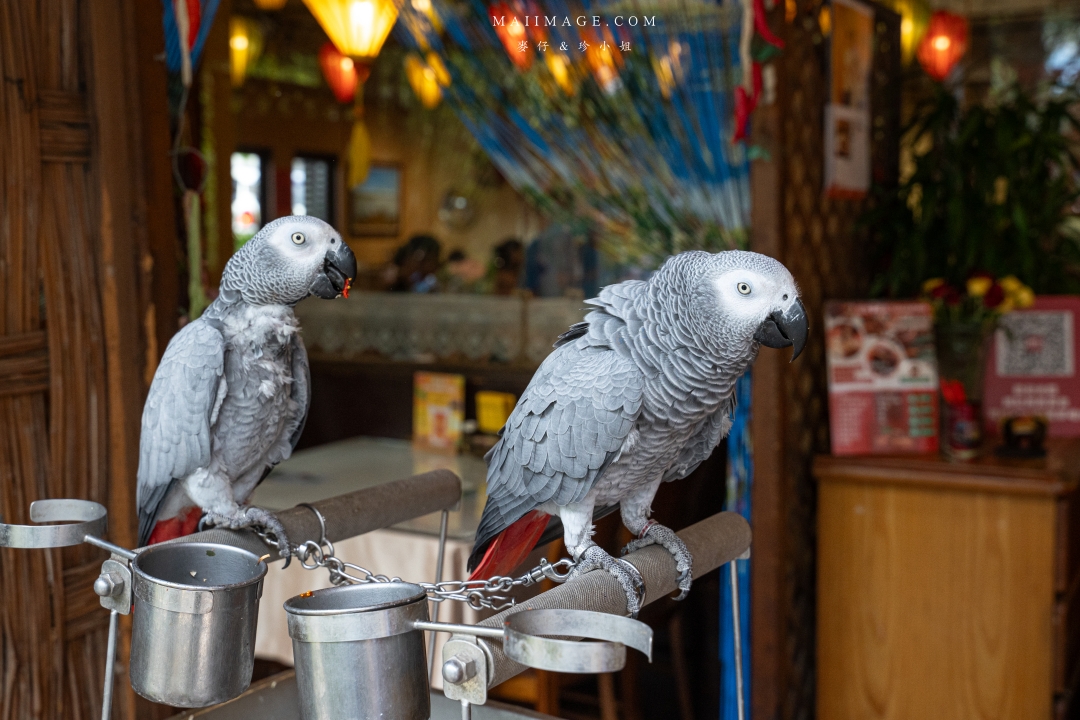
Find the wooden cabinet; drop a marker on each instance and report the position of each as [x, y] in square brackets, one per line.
[947, 590]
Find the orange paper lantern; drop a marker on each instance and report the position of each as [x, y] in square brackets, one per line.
[511, 31]
[944, 43]
[340, 72]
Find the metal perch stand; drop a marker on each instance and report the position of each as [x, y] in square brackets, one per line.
[194, 624]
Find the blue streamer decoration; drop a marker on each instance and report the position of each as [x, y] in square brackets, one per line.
[641, 151]
[739, 485]
[208, 8]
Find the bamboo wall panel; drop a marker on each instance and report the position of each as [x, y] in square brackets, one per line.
[817, 237]
[70, 379]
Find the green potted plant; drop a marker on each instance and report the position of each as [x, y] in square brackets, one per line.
[987, 191]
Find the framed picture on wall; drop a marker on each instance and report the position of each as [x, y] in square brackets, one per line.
[375, 204]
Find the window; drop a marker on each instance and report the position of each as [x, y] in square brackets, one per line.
[312, 187]
[247, 196]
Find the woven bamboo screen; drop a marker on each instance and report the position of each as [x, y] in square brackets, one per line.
[819, 240]
[71, 359]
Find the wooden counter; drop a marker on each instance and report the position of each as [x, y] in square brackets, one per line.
[947, 590]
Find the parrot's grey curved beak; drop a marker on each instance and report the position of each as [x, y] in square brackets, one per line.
[785, 329]
[338, 272]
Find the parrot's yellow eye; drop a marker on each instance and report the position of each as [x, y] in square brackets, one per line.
[298, 238]
[743, 288]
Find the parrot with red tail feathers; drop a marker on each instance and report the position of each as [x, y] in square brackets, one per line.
[230, 397]
[638, 394]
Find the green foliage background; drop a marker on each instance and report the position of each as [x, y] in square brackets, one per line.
[995, 188]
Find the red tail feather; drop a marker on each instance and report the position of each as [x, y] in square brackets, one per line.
[512, 546]
[175, 527]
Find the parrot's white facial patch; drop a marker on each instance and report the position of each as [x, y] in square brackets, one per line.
[749, 295]
[301, 242]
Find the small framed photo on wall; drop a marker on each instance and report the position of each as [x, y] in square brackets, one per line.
[375, 204]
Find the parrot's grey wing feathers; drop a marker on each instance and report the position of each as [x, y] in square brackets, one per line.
[697, 450]
[576, 330]
[181, 406]
[568, 427]
[301, 390]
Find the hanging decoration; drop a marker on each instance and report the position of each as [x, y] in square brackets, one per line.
[245, 46]
[427, 9]
[510, 29]
[423, 80]
[624, 125]
[748, 93]
[358, 28]
[186, 24]
[914, 16]
[270, 5]
[339, 71]
[944, 43]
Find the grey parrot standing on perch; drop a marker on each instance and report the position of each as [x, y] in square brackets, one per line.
[638, 394]
[230, 397]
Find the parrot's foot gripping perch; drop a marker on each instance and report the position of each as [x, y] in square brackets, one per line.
[657, 534]
[593, 557]
[263, 522]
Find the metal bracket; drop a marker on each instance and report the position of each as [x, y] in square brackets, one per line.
[467, 669]
[523, 642]
[114, 585]
[81, 518]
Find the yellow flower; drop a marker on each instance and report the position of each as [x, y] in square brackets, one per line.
[1006, 305]
[1010, 284]
[1024, 297]
[977, 286]
[932, 284]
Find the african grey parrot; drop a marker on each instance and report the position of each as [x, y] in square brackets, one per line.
[638, 394]
[229, 399]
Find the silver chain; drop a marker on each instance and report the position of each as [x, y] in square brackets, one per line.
[478, 594]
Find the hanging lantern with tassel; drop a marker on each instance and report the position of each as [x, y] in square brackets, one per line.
[339, 71]
[358, 28]
[245, 46]
[944, 44]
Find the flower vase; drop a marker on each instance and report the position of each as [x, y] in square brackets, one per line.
[961, 355]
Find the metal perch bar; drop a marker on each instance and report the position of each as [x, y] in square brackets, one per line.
[353, 513]
[713, 542]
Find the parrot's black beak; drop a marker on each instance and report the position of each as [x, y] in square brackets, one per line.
[338, 272]
[785, 329]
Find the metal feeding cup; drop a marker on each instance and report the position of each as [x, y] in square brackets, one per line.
[358, 654]
[193, 634]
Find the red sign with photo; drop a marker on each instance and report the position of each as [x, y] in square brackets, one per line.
[883, 394]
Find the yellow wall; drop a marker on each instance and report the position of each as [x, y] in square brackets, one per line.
[431, 147]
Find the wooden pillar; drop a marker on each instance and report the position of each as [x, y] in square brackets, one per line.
[817, 238]
[72, 351]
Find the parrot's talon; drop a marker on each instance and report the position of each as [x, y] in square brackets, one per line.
[657, 534]
[594, 558]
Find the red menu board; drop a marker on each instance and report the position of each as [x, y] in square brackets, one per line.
[1031, 368]
[883, 382]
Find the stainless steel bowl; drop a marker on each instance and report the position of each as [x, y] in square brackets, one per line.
[193, 632]
[357, 653]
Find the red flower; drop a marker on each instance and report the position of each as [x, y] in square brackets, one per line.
[953, 392]
[942, 291]
[952, 296]
[994, 296]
